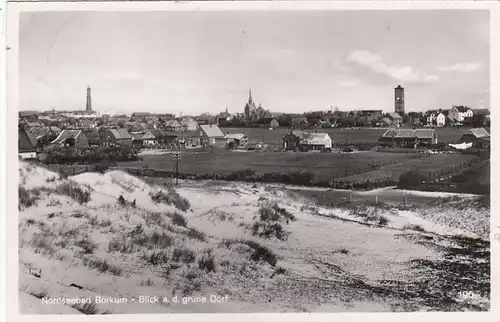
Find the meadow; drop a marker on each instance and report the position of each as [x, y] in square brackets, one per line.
[338, 135]
[323, 165]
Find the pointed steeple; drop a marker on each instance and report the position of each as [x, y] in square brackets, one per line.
[250, 96]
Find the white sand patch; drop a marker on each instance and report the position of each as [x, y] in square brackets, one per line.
[433, 194]
[39, 177]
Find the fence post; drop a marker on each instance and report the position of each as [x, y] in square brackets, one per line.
[376, 199]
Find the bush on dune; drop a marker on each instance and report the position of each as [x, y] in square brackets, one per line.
[74, 191]
[171, 197]
[27, 198]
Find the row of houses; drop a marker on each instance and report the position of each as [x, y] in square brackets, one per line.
[36, 139]
[477, 137]
[412, 138]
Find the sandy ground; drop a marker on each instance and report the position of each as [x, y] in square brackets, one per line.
[332, 260]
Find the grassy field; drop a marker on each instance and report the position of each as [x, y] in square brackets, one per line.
[339, 136]
[431, 164]
[324, 165]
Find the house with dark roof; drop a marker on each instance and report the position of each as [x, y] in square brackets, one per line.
[211, 135]
[116, 137]
[475, 135]
[409, 137]
[26, 144]
[75, 139]
[140, 116]
[44, 135]
[299, 122]
[236, 139]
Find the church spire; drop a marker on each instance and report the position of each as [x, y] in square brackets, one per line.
[250, 96]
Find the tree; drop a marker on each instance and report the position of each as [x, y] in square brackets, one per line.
[478, 120]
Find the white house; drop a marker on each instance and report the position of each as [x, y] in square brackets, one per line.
[436, 118]
[440, 119]
[460, 113]
[317, 141]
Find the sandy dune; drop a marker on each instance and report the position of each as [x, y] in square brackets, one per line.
[331, 260]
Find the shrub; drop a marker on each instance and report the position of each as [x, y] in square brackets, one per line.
[160, 240]
[383, 220]
[178, 219]
[121, 201]
[156, 258]
[102, 266]
[87, 245]
[266, 230]
[207, 262]
[86, 308]
[74, 191]
[183, 255]
[411, 180]
[40, 294]
[414, 227]
[259, 252]
[42, 244]
[196, 234]
[26, 199]
[171, 198]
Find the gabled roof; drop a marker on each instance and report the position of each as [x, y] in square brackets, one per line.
[212, 130]
[235, 136]
[478, 132]
[395, 115]
[316, 139]
[120, 134]
[462, 109]
[172, 123]
[39, 132]
[66, 135]
[408, 133]
[55, 129]
[386, 120]
[26, 141]
[34, 124]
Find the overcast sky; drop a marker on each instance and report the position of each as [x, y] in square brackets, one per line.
[198, 62]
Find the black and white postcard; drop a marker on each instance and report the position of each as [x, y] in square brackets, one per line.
[249, 157]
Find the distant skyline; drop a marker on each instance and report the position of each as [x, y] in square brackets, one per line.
[197, 62]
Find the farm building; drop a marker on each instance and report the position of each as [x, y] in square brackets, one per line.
[190, 139]
[407, 138]
[236, 139]
[475, 135]
[269, 122]
[117, 137]
[44, 135]
[316, 141]
[26, 144]
[210, 134]
[75, 139]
